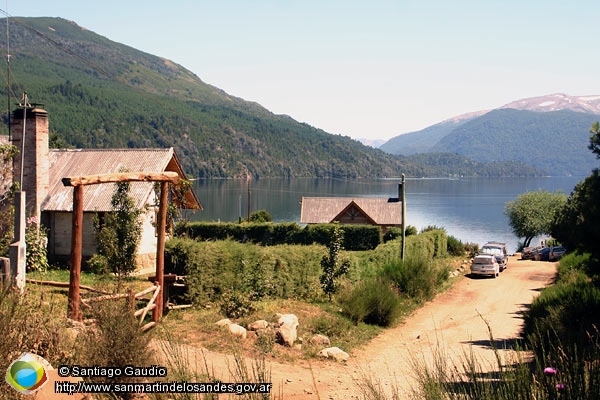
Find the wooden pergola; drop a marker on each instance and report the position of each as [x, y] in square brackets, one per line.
[73, 308]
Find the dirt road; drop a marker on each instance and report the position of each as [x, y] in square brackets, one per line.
[455, 321]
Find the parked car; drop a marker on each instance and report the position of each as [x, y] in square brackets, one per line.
[528, 253]
[498, 250]
[543, 254]
[556, 253]
[485, 264]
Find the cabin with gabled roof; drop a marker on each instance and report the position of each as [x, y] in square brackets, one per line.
[380, 211]
[51, 202]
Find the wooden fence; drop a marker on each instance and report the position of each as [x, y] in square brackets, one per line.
[131, 297]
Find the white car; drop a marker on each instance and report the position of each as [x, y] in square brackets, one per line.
[485, 264]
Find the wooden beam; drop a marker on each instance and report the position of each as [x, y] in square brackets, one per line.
[73, 310]
[62, 284]
[168, 176]
[121, 295]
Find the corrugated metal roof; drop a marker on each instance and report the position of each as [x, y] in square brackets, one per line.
[322, 210]
[80, 162]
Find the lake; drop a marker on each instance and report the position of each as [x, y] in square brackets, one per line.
[471, 210]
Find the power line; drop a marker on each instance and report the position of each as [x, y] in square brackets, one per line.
[59, 46]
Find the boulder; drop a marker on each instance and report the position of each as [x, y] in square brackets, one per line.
[237, 331]
[257, 325]
[223, 322]
[320, 340]
[287, 326]
[335, 353]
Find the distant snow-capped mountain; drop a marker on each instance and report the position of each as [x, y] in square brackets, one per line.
[550, 133]
[556, 102]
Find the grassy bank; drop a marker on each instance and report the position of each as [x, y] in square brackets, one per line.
[246, 282]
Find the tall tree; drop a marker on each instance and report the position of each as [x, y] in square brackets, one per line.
[531, 214]
[577, 226]
[594, 145]
[7, 152]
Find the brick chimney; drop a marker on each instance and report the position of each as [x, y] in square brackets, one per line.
[34, 156]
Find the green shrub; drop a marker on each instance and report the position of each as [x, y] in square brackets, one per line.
[373, 302]
[472, 249]
[566, 313]
[98, 264]
[392, 234]
[573, 268]
[334, 266]
[455, 247]
[236, 305]
[116, 339]
[416, 277]
[118, 233]
[36, 240]
[411, 230]
[330, 325]
[265, 340]
[260, 216]
[258, 281]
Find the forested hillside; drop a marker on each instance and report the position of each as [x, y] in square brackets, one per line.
[102, 94]
[420, 141]
[553, 141]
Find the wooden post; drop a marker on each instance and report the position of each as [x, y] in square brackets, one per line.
[160, 250]
[131, 300]
[73, 311]
[78, 183]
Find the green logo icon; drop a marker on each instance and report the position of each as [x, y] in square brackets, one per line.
[27, 374]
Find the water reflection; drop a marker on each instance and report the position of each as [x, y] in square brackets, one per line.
[470, 209]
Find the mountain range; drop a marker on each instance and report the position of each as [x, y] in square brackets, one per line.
[550, 133]
[103, 94]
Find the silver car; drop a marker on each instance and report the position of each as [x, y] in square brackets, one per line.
[485, 264]
[498, 250]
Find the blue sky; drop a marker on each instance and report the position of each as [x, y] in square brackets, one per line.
[365, 69]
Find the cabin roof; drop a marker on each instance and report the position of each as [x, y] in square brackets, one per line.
[65, 163]
[381, 210]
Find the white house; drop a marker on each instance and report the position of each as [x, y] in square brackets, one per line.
[52, 203]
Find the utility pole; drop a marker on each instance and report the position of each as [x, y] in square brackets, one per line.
[8, 77]
[403, 200]
[249, 196]
[18, 249]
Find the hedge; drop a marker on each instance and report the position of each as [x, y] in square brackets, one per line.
[356, 237]
[429, 244]
[216, 267]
